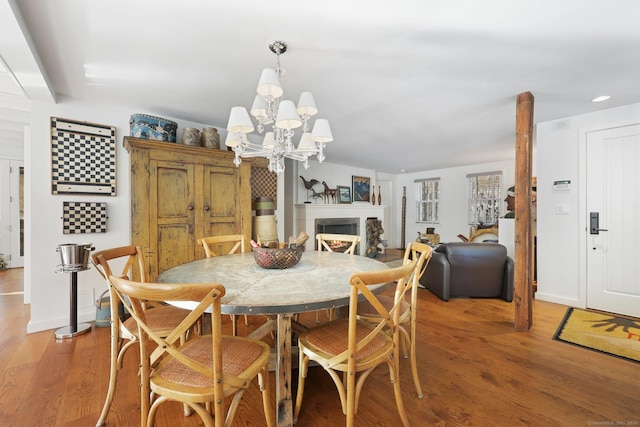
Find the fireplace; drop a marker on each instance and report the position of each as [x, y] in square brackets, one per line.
[338, 226]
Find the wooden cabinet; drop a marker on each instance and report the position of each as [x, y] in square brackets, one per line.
[181, 193]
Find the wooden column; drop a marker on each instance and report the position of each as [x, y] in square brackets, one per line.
[523, 295]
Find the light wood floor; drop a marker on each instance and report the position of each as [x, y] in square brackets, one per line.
[475, 370]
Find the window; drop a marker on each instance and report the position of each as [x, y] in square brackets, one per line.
[427, 195]
[484, 198]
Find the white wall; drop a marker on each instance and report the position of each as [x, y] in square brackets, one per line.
[334, 175]
[453, 193]
[50, 291]
[561, 238]
[454, 188]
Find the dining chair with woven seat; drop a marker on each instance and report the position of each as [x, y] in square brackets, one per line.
[408, 308]
[355, 347]
[327, 242]
[221, 244]
[348, 240]
[161, 318]
[202, 371]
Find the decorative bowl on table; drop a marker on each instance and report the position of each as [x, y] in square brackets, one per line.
[277, 258]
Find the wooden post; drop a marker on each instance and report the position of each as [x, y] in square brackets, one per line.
[523, 237]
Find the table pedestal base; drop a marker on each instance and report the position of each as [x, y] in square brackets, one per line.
[67, 331]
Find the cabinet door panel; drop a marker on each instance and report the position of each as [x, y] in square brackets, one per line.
[171, 215]
[171, 242]
[222, 210]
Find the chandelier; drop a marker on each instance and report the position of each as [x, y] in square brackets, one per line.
[270, 109]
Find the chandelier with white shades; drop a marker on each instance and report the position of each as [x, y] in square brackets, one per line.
[270, 109]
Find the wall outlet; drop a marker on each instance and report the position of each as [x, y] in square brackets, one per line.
[86, 297]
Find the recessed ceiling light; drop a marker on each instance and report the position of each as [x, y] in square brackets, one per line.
[403, 170]
[600, 98]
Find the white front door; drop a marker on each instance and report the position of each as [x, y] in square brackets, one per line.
[613, 223]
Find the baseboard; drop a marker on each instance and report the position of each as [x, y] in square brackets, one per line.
[84, 316]
[571, 302]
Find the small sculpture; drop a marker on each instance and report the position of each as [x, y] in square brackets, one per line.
[315, 195]
[329, 192]
[309, 186]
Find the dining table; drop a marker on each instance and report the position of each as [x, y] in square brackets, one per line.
[320, 280]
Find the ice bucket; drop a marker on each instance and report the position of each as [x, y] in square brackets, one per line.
[75, 255]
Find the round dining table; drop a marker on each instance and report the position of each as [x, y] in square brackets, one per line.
[319, 281]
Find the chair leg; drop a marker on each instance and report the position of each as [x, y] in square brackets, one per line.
[406, 342]
[397, 391]
[113, 374]
[263, 383]
[234, 325]
[414, 362]
[302, 375]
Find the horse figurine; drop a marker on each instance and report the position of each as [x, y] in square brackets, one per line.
[329, 192]
[315, 194]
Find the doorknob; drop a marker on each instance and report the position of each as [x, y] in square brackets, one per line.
[594, 222]
[206, 208]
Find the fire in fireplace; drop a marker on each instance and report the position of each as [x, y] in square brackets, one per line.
[338, 226]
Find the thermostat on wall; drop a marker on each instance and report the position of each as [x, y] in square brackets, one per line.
[562, 185]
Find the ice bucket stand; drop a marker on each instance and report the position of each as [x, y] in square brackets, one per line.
[74, 329]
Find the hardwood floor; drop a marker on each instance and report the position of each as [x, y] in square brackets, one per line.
[475, 371]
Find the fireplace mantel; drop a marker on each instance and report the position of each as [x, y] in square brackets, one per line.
[306, 215]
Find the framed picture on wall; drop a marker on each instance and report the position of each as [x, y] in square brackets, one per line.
[361, 187]
[344, 194]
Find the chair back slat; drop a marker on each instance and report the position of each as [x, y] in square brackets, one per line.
[238, 240]
[324, 238]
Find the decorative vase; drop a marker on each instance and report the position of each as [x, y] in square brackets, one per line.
[379, 197]
[373, 195]
[210, 138]
[191, 136]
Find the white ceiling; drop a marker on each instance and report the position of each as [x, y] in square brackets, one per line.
[405, 84]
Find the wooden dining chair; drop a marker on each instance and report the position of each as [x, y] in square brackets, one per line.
[202, 371]
[408, 308]
[221, 244]
[324, 240]
[354, 347]
[163, 319]
[325, 244]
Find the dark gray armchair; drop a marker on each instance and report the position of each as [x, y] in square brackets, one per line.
[460, 269]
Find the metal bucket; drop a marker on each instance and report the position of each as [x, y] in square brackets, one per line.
[75, 255]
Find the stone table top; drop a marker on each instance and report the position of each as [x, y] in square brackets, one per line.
[320, 280]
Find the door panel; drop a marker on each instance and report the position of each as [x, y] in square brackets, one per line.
[221, 213]
[613, 192]
[171, 215]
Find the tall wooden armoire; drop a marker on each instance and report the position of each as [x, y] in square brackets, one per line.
[181, 193]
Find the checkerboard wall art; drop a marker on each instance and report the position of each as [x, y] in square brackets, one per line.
[84, 217]
[83, 158]
[264, 183]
